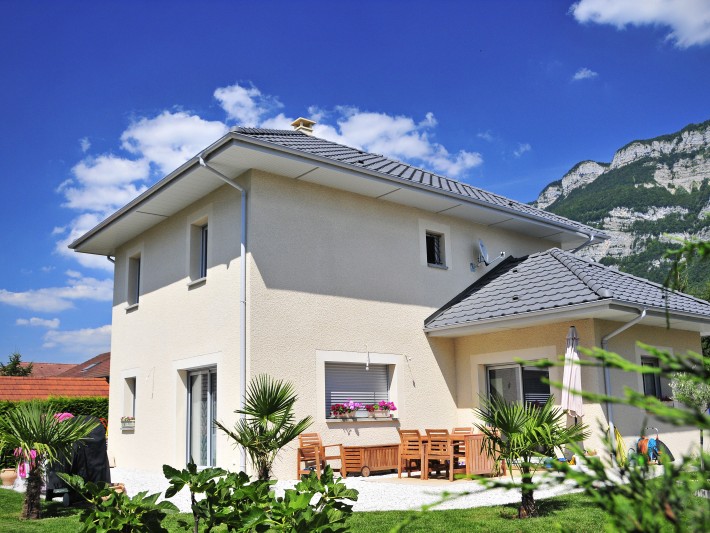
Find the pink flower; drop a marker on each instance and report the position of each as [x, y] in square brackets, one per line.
[61, 417]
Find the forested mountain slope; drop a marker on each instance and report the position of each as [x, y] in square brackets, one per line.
[653, 193]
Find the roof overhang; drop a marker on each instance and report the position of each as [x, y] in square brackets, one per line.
[605, 310]
[236, 153]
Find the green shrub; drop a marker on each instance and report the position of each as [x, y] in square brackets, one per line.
[110, 511]
[229, 499]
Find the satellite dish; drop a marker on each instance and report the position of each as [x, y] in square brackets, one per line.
[483, 257]
[483, 253]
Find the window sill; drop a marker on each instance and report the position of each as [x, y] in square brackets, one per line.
[365, 419]
[196, 283]
[131, 308]
[440, 267]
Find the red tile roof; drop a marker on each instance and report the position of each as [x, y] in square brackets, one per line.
[28, 388]
[96, 367]
[45, 370]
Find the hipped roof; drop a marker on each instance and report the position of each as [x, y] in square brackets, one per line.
[556, 280]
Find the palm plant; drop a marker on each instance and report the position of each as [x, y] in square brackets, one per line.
[516, 432]
[269, 424]
[39, 438]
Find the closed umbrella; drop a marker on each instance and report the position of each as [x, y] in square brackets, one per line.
[572, 378]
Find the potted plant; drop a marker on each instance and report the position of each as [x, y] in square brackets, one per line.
[381, 409]
[128, 423]
[349, 409]
[8, 466]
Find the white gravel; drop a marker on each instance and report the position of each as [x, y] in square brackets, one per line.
[376, 493]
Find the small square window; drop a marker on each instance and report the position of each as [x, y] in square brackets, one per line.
[134, 280]
[435, 249]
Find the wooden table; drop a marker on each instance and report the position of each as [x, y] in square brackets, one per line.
[477, 462]
[371, 458]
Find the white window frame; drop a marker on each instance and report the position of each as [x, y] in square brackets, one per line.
[129, 399]
[199, 245]
[181, 368]
[518, 377]
[211, 437]
[394, 361]
[444, 232]
[661, 384]
[135, 274]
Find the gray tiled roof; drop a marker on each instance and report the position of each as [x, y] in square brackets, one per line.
[554, 279]
[297, 140]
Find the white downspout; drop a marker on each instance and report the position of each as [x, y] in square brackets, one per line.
[242, 302]
[607, 374]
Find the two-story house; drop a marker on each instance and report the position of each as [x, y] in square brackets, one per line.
[354, 276]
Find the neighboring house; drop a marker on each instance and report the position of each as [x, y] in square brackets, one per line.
[31, 388]
[47, 370]
[96, 367]
[277, 252]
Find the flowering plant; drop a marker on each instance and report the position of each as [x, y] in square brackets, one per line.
[61, 417]
[381, 406]
[26, 461]
[128, 419]
[345, 408]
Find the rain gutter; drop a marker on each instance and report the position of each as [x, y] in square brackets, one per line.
[607, 374]
[242, 298]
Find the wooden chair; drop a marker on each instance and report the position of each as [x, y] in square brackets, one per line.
[438, 449]
[411, 450]
[460, 447]
[313, 455]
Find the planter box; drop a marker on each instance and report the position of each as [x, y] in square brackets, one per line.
[380, 414]
[128, 426]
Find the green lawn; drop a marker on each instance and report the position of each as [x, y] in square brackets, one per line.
[566, 513]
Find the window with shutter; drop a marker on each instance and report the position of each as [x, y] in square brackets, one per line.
[355, 381]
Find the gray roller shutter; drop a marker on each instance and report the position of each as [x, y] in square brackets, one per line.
[352, 381]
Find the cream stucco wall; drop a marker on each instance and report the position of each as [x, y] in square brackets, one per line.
[174, 328]
[631, 421]
[337, 272]
[473, 353]
[328, 273]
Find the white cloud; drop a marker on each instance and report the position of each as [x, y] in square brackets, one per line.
[486, 136]
[170, 139]
[521, 149]
[246, 105]
[89, 341]
[52, 323]
[689, 20]
[584, 74]
[85, 144]
[54, 299]
[154, 146]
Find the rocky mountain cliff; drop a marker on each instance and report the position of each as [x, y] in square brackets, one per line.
[652, 192]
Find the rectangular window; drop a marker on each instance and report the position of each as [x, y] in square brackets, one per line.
[129, 397]
[203, 251]
[201, 412]
[198, 250]
[514, 383]
[357, 382]
[134, 280]
[435, 249]
[653, 384]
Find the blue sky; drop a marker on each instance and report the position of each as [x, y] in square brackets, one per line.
[104, 98]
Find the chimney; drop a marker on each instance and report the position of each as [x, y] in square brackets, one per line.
[303, 125]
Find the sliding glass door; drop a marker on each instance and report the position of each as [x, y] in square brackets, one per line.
[201, 411]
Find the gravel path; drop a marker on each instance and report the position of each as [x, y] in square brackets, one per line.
[377, 493]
